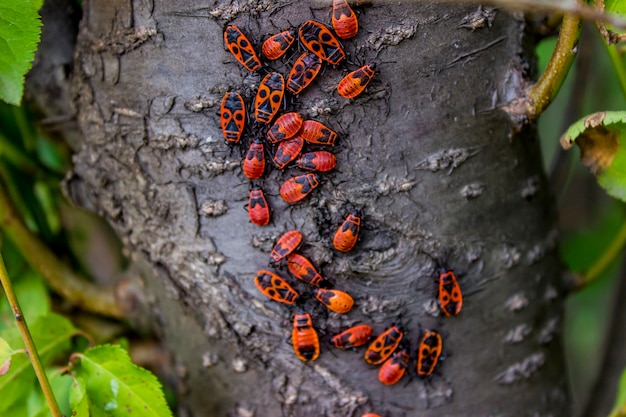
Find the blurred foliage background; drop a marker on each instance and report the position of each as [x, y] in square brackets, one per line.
[589, 219]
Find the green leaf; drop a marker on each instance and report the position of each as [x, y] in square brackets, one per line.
[20, 27]
[17, 383]
[36, 4]
[602, 140]
[36, 402]
[19, 408]
[61, 384]
[12, 336]
[52, 335]
[78, 398]
[6, 353]
[615, 6]
[117, 387]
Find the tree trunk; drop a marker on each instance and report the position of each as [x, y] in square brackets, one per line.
[428, 155]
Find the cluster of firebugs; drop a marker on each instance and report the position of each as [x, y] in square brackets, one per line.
[288, 134]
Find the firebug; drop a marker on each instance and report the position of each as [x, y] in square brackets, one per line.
[232, 116]
[301, 268]
[354, 83]
[449, 292]
[285, 127]
[337, 301]
[269, 97]
[241, 48]
[428, 353]
[320, 161]
[254, 162]
[383, 346]
[303, 72]
[275, 287]
[287, 151]
[297, 188]
[285, 245]
[317, 38]
[355, 336]
[276, 45]
[258, 210]
[304, 337]
[317, 133]
[450, 295]
[344, 20]
[348, 233]
[395, 367]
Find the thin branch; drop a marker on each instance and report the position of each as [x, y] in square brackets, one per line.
[28, 341]
[541, 94]
[62, 279]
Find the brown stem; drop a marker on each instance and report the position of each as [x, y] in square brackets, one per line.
[609, 36]
[59, 276]
[541, 94]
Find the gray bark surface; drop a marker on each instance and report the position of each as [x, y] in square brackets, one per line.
[427, 154]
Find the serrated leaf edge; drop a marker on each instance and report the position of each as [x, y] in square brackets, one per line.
[144, 373]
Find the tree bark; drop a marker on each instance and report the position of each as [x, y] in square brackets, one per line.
[426, 152]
